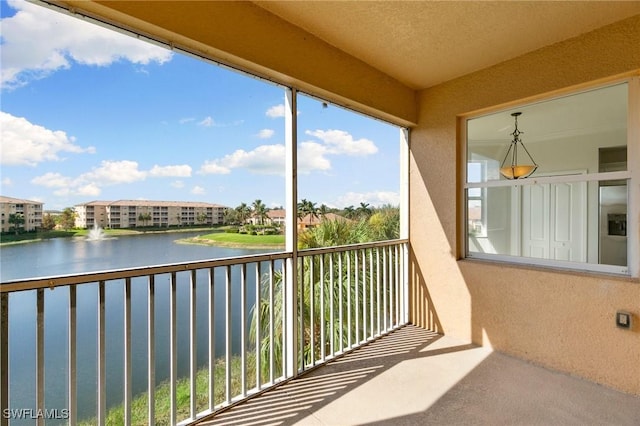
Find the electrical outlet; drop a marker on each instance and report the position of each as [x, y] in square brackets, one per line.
[623, 319]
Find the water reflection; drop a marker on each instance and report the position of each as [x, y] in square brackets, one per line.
[64, 256]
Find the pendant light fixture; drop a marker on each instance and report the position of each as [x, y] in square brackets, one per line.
[515, 170]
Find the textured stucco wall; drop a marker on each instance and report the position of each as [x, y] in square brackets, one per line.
[561, 320]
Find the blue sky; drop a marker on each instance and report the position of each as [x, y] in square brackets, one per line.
[91, 114]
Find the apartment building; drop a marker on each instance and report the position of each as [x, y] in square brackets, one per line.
[137, 213]
[31, 211]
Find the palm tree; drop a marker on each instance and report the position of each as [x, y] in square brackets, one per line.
[364, 210]
[323, 210]
[308, 208]
[260, 211]
[244, 211]
[349, 212]
[336, 281]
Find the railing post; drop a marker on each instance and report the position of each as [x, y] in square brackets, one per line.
[4, 357]
[291, 275]
[102, 375]
[173, 351]
[127, 379]
[193, 345]
[40, 376]
[72, 347]
[151, 350]
[212, 339]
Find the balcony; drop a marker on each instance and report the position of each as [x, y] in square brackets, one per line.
[417, 377]
[340, 352]
[257, 320]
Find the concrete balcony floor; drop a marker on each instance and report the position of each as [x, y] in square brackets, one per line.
[417, 377]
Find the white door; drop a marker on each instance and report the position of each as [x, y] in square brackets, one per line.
[554, 220]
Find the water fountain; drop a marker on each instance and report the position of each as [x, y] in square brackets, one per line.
[96, 233]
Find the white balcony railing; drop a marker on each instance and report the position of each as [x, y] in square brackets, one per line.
[234, 312]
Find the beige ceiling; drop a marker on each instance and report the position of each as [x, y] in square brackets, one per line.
[423, 43]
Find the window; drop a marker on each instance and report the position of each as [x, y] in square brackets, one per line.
[572, 211]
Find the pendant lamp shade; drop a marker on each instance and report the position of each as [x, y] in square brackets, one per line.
[513, 169]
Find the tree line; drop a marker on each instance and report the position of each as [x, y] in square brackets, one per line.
[241, 214]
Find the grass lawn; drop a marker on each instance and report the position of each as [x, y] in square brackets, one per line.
[139, 404]
[237, 240]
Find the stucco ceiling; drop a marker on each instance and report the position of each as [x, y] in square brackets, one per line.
[423, 43]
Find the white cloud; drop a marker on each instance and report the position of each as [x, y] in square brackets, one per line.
[89, 190]
[341, 142]
[270, 160]
[25, 143]
[170, 171]
[186, 120]
[212, 167]
[198, 190]
[207, 122]
[37, 41]
[52, 180]
[114, 172]
[375, 199]
[210, 122]
[266, 133]
[177, 184]
[276, 111]
[265, 159]
[311, 156]
[106, 174]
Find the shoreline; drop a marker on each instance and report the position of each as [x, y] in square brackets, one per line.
[208, 242]
[109, 233]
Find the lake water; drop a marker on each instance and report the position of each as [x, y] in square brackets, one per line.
[79, 255]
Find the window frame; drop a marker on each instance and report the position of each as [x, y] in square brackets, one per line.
[631, 176]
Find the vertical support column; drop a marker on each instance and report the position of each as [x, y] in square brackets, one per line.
[291, 284]
[404, 221]
[4, 357]
[633, 164]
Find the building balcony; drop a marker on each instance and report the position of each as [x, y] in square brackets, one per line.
[243, 325]
[413, 376]
[333, 346]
